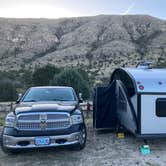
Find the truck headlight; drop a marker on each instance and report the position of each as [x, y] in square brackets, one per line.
[76, 119]
[10, 120]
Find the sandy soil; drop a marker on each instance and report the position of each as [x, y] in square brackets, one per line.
[101, 149]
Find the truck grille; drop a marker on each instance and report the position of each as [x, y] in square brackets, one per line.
[43, 121]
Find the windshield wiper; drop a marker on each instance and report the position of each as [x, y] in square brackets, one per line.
[60, 100]
[29, 101]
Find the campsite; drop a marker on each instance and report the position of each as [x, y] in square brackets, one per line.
[135, 98]
[82, 83]
[101, 149]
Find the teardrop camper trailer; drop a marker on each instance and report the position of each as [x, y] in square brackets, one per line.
[135, 99]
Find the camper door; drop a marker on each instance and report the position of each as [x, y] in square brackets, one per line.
[125, 109]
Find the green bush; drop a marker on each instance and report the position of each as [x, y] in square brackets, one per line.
[1, 121]
[83, 74]
[20, 80]
[74, 79]
[42, 76]
[161, 65]
[7, 91]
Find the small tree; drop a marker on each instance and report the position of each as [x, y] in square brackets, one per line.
[7, 91]
[72, 78]
[86, 77]
[42, 76]
[26, 78]
[83, 74]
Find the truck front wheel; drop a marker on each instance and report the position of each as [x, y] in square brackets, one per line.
[7, 150]
[82, 139]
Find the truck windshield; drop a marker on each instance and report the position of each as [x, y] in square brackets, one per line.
[49, 94]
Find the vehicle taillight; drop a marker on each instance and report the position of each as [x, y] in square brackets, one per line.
[141, 87]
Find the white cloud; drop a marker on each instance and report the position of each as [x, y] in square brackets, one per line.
[35, 11]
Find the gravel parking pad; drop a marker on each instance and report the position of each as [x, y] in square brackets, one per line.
[101, 149]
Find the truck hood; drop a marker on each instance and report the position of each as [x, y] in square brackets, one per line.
[45, 107]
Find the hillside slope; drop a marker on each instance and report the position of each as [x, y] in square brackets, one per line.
[97, 43]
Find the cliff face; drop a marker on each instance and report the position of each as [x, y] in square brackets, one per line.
[98, 43]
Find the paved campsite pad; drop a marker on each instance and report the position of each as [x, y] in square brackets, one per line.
[102, 149]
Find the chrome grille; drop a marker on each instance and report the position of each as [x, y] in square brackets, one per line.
[29, 117]
[63, 124]
[56, 116]
[50, 116]
[35, 121]
[28, 125]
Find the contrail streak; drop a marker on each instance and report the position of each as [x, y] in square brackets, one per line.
[130, 7]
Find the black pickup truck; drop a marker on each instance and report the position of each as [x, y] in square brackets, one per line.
[44, 117]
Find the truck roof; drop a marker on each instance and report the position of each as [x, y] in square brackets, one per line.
[51, 87]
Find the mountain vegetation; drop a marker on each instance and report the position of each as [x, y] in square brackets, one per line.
[96, 44]
[81, 52]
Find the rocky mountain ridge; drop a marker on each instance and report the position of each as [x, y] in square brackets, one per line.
[98, 43]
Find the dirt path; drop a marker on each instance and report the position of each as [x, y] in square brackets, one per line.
[101, 149]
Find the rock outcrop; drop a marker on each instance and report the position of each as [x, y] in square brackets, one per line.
[98, 43]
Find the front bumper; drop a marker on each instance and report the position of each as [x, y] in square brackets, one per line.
[32, 133]
[29, 142]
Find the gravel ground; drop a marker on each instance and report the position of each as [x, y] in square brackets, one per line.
[101, 149]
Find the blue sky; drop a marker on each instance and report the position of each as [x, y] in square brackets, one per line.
[74, 8]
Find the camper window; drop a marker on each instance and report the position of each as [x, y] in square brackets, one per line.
[126, 80]
[161, 107]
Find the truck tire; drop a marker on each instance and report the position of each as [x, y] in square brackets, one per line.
[7, 150]
[82, 143]
[84, 137]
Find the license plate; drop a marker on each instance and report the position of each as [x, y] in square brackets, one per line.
[42, 141]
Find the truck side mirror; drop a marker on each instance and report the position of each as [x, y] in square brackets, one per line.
[19, 98]
[80, 98]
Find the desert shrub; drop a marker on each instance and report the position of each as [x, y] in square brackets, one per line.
[73, 78]
[42, 76]
[7, 91]
[161, 63]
